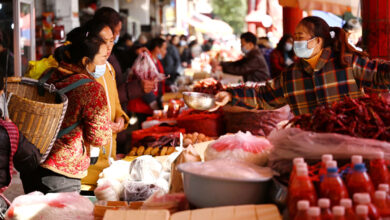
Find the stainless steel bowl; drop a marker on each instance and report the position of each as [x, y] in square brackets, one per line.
[199, 101]
[205, 191]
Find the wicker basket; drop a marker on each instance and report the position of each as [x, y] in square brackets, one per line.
[39, 118]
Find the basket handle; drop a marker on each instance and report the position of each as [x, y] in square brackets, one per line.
[14, 79]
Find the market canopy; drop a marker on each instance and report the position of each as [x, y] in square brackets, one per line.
[338, 7]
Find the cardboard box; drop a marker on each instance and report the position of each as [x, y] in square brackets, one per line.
[247, 212]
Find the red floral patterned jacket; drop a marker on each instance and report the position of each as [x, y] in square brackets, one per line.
[87, 104]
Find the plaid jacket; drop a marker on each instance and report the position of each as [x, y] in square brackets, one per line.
[304, 88]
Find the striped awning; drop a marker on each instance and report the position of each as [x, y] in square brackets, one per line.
[338, 7]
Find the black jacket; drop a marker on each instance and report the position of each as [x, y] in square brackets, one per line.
[252, 67]
[26, 158]
[171, 63]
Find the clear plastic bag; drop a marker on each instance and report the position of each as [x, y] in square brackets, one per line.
[145, 69]
[138, 191]
[293, 142]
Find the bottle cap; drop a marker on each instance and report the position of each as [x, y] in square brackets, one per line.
[356, 197]
[364, 199]
[302, 172]
[356, 159]
[298, 160]
[347, 203]
[381, 195]
[301, 165]
[362, 210]
[338, 210]
[303, 205]
[332, 163]
[359, 167]
[324, 203]
[327, 157]
[383, 187]
[314, 211]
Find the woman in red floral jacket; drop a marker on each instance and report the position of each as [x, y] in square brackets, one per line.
[87, 114]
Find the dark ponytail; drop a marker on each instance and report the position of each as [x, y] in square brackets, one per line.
[73, 53]
[339, 42]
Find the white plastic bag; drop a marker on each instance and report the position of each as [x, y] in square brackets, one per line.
[145, 69]
[61, 206]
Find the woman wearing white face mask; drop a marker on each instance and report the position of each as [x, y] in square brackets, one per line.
[85, 127]
[329, 68]
[282, 56]
[104, 74]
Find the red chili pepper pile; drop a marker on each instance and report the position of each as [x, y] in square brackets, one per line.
[209, 86]
[365, 117]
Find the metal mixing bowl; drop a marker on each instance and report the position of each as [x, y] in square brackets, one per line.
[199, 101]
[205, 191]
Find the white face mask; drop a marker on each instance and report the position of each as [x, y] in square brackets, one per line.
[99, 71]
[288, 47]
[301, 50]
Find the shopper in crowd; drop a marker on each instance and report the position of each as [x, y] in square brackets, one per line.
[14, 148]
[266, 48]
[6, 56]
[207, 45]
[252, 66]
[182, 43]
[186, 55]
[282, 56]
[142, 40]
[167, 37]
[328, 69]
[121, 51]
[171, 63]
[87, 112]
[196, 49]
[353, 29]
[143, 107]
[112, 18]
[119, 119]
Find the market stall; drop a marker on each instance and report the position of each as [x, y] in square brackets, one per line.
[186, 162]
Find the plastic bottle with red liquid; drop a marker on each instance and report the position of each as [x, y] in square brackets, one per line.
[338, 213]
[362, 212]
[355, 159]
[385, 187]
[365, 199]
[301, 188]
[324, 205]
[332, 186]
[349, 213]
[314, 213]
[381, 204]
[378, 169]
[324, 160]
[359, 181]
[302, 206]
[296, 161]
